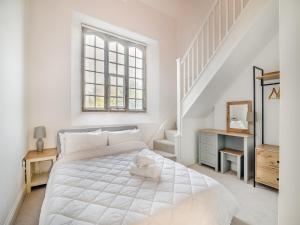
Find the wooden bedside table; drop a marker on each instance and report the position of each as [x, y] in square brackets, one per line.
[33, 179]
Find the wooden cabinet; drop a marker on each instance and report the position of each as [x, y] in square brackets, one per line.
[208, 149]
[267, 165]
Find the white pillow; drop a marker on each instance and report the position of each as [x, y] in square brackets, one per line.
[62, 138]
[75, 142]
[118, 137]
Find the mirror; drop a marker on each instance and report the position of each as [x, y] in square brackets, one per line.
[237, 116]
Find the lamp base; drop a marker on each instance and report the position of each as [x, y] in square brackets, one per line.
[40, 145]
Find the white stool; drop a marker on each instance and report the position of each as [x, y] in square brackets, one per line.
[229, 156]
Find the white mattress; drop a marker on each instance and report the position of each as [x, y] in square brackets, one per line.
[101, 191]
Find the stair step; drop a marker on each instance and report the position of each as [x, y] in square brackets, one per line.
[166, 155]
[164, 145]
[170, 135]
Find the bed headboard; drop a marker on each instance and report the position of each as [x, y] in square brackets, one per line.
[80, 130]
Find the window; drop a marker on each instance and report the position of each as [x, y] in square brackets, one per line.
[113, 73]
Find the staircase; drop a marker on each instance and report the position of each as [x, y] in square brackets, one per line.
[229, 38]
[166, 146]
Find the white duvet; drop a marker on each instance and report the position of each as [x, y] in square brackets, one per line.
[96, 187]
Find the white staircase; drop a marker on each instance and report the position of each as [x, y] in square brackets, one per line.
[166, 146]
[229, 38]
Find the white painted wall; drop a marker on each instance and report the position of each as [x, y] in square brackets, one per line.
[242, 89]
[12, 109]
[289, 183]
[50, 64]
[189, 19]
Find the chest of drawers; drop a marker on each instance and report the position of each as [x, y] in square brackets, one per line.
[267, 165]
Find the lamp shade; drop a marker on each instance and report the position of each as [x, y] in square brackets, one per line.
[250, 117]
[39, 132]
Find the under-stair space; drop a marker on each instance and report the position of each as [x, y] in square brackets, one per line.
[229, 38]
[166, 146]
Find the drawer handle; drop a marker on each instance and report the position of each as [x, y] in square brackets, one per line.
[277, 179]
[278, 161]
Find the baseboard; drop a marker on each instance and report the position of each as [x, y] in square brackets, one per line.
[10, 219]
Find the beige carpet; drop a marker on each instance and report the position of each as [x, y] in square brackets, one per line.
[258, 205]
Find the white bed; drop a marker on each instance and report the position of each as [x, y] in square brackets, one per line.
[95, 187]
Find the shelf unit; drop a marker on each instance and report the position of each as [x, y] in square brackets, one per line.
[266, 79]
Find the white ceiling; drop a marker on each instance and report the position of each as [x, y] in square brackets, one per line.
[168, 7]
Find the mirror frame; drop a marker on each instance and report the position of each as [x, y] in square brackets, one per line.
[249, 104]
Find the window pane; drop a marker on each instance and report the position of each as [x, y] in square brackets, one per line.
[131, 83]
[120, 48]
[121, 69]
[132, 51]
[112, 57]
[139, 104]
[120, 102]
[120, 59]
[113, 91]
[131, 103]
[139, 84]
[113, 46]
[90, 89]
[113, 80]
[100, 102]
[89, 52]
[100, 66]
[89, 102]
[131, 93]
[139, 94]
[139, 73]
[139, 63]
[99, 42]
[120, 92]
[100, 90]
[89, 77]
[131, 72]
[99, 78]
[113, 102]
[120, 81]
[139, 53]
[90, 39]
[112, 68]
[99, 54]
[89, 64]
[132, 61]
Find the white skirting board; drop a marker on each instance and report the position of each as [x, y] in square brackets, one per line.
[10, 219]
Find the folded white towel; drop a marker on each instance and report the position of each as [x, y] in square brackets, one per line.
[143, 160]
[151, 171]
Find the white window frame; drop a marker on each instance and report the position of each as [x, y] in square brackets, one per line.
[127, 43]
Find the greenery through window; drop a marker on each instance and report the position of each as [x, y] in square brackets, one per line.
[113, 73]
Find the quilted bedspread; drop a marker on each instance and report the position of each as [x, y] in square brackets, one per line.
[100, 190]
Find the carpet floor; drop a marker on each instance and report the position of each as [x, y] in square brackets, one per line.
[258, 206]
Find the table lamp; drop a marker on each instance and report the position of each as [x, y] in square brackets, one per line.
[39, 134]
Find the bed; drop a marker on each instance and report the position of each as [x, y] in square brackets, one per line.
[95, 187]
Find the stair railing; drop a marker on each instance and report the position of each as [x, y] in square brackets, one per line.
[212, 33]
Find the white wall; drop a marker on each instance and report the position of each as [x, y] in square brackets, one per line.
[50, 63]
[289, 183]
[190, 18]
[242, 89]
[12, 109]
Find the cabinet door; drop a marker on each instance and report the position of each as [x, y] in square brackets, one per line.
[202, 152]
[268, 176]
[267, 158]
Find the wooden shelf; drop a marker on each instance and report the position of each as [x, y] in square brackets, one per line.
[270, 76]
[39, 179]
